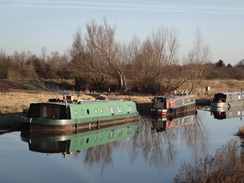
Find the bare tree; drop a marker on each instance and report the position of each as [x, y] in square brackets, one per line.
[5, 63]
[197, 61]
[99, 54]
[153, 61]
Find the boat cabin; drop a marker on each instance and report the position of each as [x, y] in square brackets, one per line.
[49, 111]
[235, 97]
[173, 101]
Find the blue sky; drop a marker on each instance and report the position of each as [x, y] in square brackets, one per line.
[34, 24]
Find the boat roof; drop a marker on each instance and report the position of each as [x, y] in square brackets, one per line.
[176, 96]
[68, 103]
[231, 93]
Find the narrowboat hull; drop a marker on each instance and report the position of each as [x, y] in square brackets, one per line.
[60, 124]
[219, 105]
[173, 111]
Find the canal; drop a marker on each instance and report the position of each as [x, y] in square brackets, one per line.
[148, 150]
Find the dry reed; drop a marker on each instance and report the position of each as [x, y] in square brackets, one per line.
[225, 166]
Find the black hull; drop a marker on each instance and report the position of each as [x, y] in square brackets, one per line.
[184, 110]
[87, 125]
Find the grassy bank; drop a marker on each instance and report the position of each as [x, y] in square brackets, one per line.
[17, 95]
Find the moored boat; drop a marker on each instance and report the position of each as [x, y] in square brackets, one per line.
[227, 100]
[75, 114]
[171, 105]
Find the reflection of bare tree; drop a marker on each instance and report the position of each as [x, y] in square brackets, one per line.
[148, 144]
[195, 136]
[102, 154]
[159, 148]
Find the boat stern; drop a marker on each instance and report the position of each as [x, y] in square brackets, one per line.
[159, 112]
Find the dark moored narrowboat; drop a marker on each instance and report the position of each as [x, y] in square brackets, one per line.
[227, 100]
[171, 105]
[74, 114]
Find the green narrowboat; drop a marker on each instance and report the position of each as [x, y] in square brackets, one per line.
[68, 142]
[74, 114]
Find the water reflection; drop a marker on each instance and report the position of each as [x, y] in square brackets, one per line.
[156, 141]
[158, 146]
[73, 141]
[162, 123]
[232, 112]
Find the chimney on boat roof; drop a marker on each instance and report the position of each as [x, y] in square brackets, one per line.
[68, 97]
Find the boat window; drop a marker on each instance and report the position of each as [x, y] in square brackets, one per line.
[111, 108]
[81, 141]
[120, 109]
[75, 143]
[177, 102]
[119, 133]
[87, 140]
[75, 112]
[111, 134]
[129, 108]
[239, 113]
[82, 112]
[239, 97]
[231, 98]
[87, 111]
[96, 111]
[180, 102]
[101, 110]
[101, 137]
[129, 130]
[50, 111]
[95, 138]
[44, 111]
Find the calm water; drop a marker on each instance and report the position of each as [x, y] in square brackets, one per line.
[150, 151]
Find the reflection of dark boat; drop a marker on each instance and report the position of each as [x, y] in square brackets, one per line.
[172, 105]
[227, 100]
[66, 142]
[75, 114]
[9, 122]
[233, 112]
[179, 120]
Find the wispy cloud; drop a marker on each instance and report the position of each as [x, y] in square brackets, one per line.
[151, 6]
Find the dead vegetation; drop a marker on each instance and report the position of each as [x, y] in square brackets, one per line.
[15, 100]
[225, 166]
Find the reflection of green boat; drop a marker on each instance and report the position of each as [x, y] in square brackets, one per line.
[75, 114]
[163, 124]
[72, 141]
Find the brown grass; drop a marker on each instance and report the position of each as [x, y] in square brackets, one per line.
[225, 166]
[17, 101]
[12, 102]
